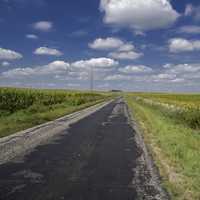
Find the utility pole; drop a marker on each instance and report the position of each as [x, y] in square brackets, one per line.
[67, 72]
[91, 79]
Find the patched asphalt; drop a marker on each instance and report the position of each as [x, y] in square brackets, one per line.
[94, 159]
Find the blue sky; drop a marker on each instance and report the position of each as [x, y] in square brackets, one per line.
[137, 45]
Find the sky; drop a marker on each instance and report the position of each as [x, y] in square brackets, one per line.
[132, 45]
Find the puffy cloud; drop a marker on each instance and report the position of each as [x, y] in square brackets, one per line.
[78, 69]
[166, 76]
[177, 75]
[139, 33]
[177, 45]
[126, 47]
[15, 73]
[106, 43]
[47, 51]
[117, 77]
[190, 10]
[137, 77]
[135, 69]
[32, 36]
[178, 80]
[126, 55]
[53, 68]
[123, 50]
[183, 68]
[96, 63]
[139, 14]
[56, 67]
[173, 74]
[5, 64]
[43, 26]
[189, 29]
[7, 54]
[180, 73]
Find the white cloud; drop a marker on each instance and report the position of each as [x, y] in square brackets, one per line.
[167, 66]
[177, 45]
[117, 77]
[101, 67]
[181, 73]
[43, 26]
[139, 14]
[78, 70]
[139, 77]
[96, 63]
[183, 68]
[32, 36]
[56, 67]
[63, 71]
[5, 64]
[15, 73]
[47, 51]
[192, 11]
[126, 55]
[123, 50]
[176, 75]
[135, 69]
[173, 74]
[53, 68]
[165, 76]
[126, 47]
[106, 43]
[189, 29]
[178, 80]
[139, 33]
[189, 10]
[7, 54]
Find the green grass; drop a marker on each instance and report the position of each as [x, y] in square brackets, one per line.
[175, 147]
[24, 108]
[36, 115]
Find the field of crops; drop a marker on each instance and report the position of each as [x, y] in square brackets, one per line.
[12, 99]
[24, 108]
[184, 108]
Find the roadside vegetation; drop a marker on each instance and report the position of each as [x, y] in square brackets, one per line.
[24, 108]
[171, 127]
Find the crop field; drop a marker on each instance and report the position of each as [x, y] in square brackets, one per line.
[170, 124]
[183, 108]
[24, 108]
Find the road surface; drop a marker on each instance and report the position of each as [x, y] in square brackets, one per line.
[96, 158]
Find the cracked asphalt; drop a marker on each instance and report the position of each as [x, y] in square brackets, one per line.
[96, 158]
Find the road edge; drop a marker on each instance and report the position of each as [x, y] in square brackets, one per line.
[146, 160]
[22, 142]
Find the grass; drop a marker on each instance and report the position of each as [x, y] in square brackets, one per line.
[24, 108]
[175, 147]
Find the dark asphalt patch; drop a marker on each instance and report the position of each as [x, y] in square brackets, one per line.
[93, 160]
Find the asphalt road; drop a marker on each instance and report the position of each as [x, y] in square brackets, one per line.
[95, 159]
